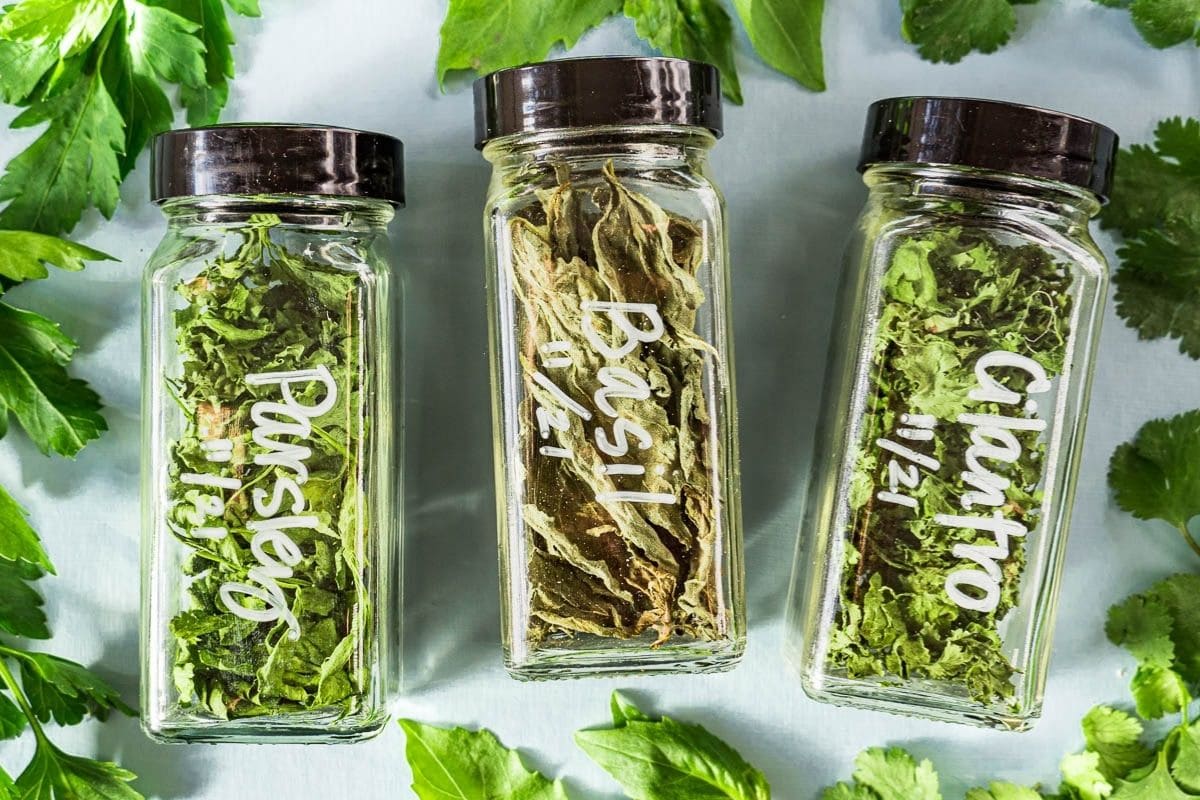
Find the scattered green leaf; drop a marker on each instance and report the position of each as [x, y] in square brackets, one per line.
[787, 35]
[24, 255]
[947, 30]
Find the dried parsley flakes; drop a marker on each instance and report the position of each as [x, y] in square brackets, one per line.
[617, 446]
[949, 471]
[266, 484]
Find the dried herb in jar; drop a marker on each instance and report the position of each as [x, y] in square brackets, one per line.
[616, 440]
[265, 484]
[950, 466]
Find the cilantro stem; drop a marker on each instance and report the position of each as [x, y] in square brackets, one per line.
[1191, 540]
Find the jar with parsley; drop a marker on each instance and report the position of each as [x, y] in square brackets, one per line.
[616, 458]
[269, 550]
[931, 551]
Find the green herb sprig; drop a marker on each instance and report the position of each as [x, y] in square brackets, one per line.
[1163, 23]
[652, 759]
[49, 688]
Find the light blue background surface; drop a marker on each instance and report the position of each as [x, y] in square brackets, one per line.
[787, 165]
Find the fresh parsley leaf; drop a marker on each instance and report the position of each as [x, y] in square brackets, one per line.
[1156, 785]
[947, 30]
[457, 764]
[20, 605]
[55, 775]
[1156, 207]
[787, 35]
[12, 722]
[1116, 739]
[72, 165]
[165, 44]
[1157, 474]
[668, 760]
[204, 101]
[1082, 778]
[24, 255]
[695, 29]
[68, 25]
[486, 35]
[22, 67]
[60, 413]
[1185, 768]
[18, 542]
[64, 691]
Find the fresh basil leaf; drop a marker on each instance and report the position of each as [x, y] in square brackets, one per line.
[486, 35]
[18, 541]
[668, 760]
[24, 255]
[697, 29]
[60, 413]
[457, 764]
[787, 35]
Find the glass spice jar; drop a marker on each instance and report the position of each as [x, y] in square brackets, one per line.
[932, 545]
[616, 456]
[267, 421]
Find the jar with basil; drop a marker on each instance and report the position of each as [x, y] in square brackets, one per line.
[616, 459]
[269, 552]
[931, 551]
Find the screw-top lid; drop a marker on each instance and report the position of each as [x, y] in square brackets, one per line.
[993, 135]
[586, 92]
[257, 159]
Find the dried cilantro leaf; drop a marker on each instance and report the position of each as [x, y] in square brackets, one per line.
[951, 296]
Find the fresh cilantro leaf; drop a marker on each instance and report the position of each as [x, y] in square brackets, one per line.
[55, 775]
[12, 722]
[1157, 475]
[695, 29]
[1156, 785]
[787, 35]
[24, 255]
[1004, 791]
[22, 67]
[1166, 23]
[1116, 739]
[18, 542]
[947, 30]
[1083, 779]
[20, 605]
[1186, 766]
[1180, 595]
[668, 760]
[68, 25]
[72, 165]
[1157, 691]
[893, 774]
[1143, 627]
[59, 413]
[64, 691]
[1156, 207]
[457, 764]
[486, 35]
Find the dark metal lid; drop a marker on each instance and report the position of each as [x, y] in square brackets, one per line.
[993, 135]
[254, 159]
[586, 92]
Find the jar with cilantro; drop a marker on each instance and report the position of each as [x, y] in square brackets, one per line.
[932, 546]
[268, 544]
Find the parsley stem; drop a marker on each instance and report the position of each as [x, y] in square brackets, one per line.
[1191, 540]
[18, 694]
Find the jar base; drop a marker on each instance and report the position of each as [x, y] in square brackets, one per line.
[913, 702]
[566, 664]
[306, 729]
